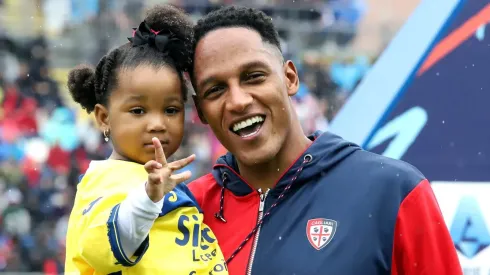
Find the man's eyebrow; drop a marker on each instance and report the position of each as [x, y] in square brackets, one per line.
[253, 64]
[242, 67]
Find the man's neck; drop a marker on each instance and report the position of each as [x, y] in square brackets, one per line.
[265, 175]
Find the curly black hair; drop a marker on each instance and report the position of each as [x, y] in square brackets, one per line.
[236, 16]
[89, 86]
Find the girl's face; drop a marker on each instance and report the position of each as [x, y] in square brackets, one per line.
[146, 103]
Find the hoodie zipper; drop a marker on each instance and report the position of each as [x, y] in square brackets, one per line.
[263, 196]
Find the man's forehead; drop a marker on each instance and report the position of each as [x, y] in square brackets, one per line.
[235, 39]
[231, 48]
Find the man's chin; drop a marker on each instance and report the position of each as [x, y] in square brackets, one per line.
[255, 157]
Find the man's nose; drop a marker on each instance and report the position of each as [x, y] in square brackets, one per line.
[238, 99]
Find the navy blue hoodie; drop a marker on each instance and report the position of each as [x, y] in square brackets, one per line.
[337, 210]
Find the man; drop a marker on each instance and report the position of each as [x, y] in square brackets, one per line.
[283, 203]
[289, 204]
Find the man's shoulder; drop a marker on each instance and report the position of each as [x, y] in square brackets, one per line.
[387, 171]
[201, 186]
[203, 181]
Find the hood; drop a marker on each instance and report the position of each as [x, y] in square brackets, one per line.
[326, 151]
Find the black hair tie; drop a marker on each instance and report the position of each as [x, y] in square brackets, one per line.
[163, 40]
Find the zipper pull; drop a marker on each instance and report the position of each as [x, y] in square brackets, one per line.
[261, 195]
[262, 199]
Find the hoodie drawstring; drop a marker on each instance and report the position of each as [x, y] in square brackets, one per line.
[306, 160]
[221, 215]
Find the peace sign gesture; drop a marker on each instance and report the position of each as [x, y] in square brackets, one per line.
[160, 177]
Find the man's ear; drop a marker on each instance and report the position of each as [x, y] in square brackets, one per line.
[292, 79]
[102, 117]
[198, 109]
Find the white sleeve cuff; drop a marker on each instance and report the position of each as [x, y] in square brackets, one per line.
[137, 214]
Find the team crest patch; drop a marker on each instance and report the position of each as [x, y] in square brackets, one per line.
[320, 232]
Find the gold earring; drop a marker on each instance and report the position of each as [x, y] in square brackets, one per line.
[106, 135]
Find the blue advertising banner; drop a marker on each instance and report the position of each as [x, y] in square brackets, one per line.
[427, 101]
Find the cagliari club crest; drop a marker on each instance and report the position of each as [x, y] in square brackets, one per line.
[320, 232]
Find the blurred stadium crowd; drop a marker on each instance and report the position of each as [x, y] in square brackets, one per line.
[46, 142]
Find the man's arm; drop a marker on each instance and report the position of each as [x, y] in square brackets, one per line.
[422, 243]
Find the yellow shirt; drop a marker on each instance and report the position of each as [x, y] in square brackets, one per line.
[178, 243]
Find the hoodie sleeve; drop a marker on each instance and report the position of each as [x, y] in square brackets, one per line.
[422, 243]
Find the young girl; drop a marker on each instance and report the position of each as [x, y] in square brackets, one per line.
[137, 93]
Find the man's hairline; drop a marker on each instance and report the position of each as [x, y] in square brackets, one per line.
[267, 43]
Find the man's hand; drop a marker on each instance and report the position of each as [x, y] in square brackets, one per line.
[160, 178]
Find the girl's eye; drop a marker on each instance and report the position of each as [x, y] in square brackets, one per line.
[172, 111]
[137, 111]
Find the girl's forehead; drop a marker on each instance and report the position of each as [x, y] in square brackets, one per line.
[148, 82]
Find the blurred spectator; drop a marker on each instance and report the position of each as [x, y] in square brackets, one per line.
[37, 136]
[348, 74]
[309, 112]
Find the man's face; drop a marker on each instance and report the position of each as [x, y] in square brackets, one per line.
[243, 89]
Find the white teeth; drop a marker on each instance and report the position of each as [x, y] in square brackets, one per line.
[245, 123]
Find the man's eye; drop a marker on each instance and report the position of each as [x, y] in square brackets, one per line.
[137, 111]
[255, 76]
[213, 90]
